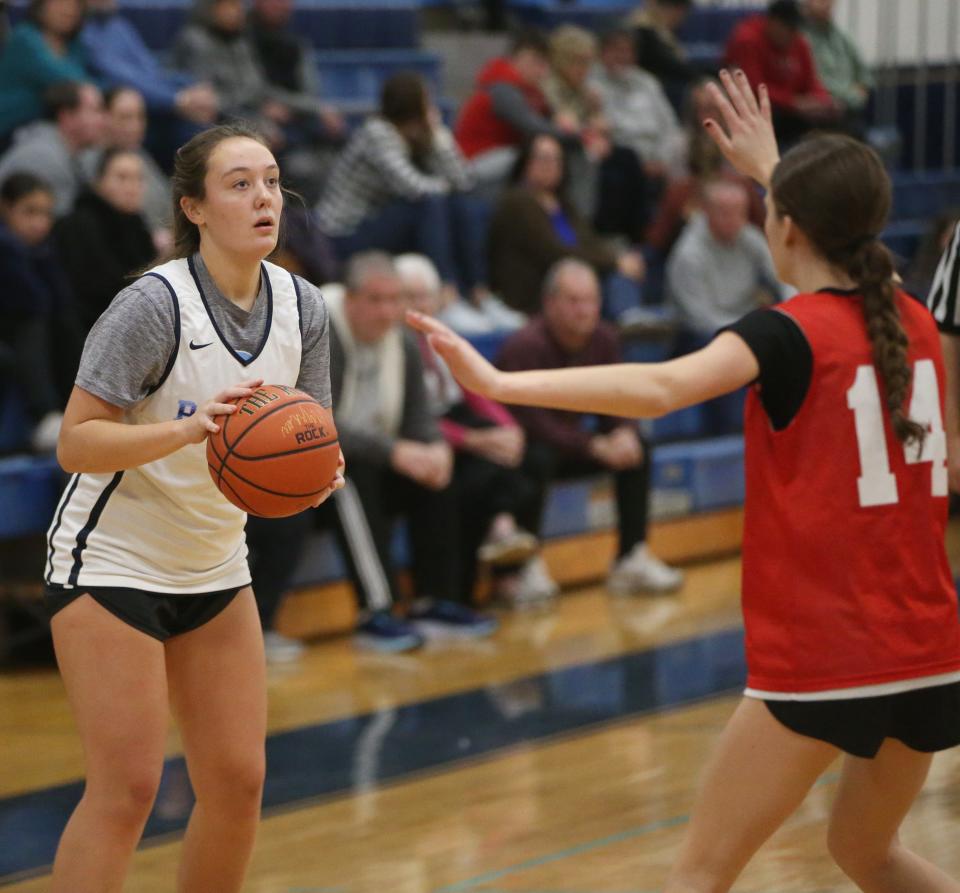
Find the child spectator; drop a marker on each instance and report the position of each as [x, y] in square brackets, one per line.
[37, 322]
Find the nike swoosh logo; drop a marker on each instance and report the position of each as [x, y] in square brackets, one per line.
[198, 346]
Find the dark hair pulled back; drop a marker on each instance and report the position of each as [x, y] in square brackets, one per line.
[837, 191]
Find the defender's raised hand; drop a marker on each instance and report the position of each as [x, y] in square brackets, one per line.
[746, 137]
[466, 364]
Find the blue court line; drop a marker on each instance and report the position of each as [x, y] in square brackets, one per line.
[578, 850]
[361, 752]
[586, 847]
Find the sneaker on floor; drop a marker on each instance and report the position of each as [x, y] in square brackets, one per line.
[384, 632]
[500, 315]
[514, 547]
[641, 571]
[282, 649]
[532, 586]
[45, 435]
[439, 619]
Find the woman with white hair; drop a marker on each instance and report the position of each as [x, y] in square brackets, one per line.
[488, 446]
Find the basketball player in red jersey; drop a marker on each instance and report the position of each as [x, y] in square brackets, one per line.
[853, 639]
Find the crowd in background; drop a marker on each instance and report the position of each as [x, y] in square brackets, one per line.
[571, 198]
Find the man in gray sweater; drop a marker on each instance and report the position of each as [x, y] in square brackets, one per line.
[721, 267]
[397, 465]
[719, 271]
[53, 149]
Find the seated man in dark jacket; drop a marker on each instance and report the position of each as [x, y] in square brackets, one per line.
[398, 464]
[569, 332]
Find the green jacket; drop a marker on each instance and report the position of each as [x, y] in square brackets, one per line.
[839, 64]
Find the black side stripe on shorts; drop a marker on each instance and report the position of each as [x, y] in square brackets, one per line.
[56, 527]
[88, 528]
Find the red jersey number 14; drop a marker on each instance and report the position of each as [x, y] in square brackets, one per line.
[877, 484]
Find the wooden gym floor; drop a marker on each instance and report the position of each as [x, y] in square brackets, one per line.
[561, 756]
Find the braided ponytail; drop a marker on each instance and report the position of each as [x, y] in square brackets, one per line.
[871, 267]
[837, 191]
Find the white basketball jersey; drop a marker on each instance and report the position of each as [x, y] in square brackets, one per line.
[164, 526]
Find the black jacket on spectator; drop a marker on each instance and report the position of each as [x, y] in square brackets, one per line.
[33, 281]
[40, 338]
[100, 247]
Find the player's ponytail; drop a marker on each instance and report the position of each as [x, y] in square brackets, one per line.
[871, 267]
[189, 175]
[836, 190]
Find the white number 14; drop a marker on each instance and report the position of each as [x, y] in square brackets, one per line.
[876, 484]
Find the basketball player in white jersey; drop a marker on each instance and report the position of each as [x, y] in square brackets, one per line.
[146, 577]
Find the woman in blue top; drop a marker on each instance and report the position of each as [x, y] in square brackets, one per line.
[42, 50]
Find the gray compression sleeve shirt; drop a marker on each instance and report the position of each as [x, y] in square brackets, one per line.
[128, 348]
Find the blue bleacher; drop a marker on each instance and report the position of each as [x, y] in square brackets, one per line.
[357, 75]
[697, 476]
[328, 24]
[29, 490]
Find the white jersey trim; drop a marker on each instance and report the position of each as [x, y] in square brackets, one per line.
[862, 691]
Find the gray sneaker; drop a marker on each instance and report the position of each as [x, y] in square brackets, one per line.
[531, 587]
[641, 571]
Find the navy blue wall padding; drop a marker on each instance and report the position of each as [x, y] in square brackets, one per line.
[14, 423]
[29, 491]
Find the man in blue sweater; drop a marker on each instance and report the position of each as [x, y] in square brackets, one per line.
[118, 56]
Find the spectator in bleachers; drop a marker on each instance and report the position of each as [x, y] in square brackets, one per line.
[839, 64]
[570, 332]
[43, 50]
[607, 183]
[720, 269]
[657, 48]
[402, 184]
[399, 465]
[314, 126]
[288, 63]
[534, 225]
[507, 107]
[126, 128]
[215, 48]
[38, 327]
[697, 163]
[487, 444]
[119, 57]
[638, 111]
[53, 149]
[105, 238]
[770, 49]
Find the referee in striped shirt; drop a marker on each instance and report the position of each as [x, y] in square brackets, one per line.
[945, 308]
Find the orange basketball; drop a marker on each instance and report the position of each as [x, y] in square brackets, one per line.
[276, 453]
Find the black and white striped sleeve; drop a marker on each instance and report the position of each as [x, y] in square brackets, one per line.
[942, 300]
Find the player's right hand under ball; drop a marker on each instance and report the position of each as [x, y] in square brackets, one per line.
[203, 422]
[339, 480]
